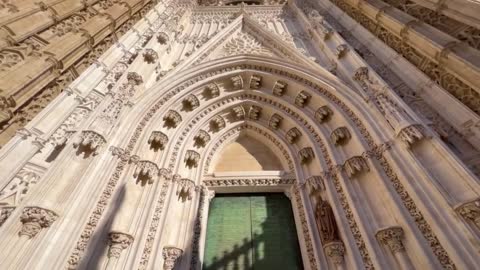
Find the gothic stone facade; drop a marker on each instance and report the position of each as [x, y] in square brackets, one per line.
[117, 117]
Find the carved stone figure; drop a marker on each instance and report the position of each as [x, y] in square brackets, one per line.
[327, 225]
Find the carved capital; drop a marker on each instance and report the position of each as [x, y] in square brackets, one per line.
[34, 219]
[471, 212]
[170, 255]
[391, 237]
[117, 242]
[335, 251]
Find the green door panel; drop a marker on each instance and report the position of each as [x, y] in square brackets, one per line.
[254, 232]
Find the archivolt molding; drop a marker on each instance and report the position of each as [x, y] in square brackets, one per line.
[309, 83]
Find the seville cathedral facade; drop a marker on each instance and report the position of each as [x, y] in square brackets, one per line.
[239, 134]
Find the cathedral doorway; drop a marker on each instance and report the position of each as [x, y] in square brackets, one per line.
[251, 231]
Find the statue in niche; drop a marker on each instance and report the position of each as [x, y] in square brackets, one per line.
[327, 226]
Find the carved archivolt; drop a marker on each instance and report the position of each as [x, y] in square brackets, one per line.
[172, 119]
[355, 165]
[217, 123]
[190, 103]
[306, 155]
[293, 135]
[146, 171]
[342, 198]
[323, 114]
[89, 142]
[158, 140]
[275, 121]
[340, 136]
[211, 90]
[280, 88]
[302, 99]
[202, 138]
[254, 112]
[192, 158]
[237, 82]
[185, 187]
[255, 82]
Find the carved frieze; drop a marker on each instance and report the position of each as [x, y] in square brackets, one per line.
[293, 135]
[170, 255]
[172, 119]
[302, 99]
[391, 237]
[280, 88]
[158, 140]
[323, 114]
[89, 142]
[34, 219]
[192, 158]
[117, 242]
[248, 182]
[355, 165]
[306, 155]
[146, 172]
[275, 121]
[340, 136]
[190, 102]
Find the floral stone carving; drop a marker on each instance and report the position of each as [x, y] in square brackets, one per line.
[34, 219]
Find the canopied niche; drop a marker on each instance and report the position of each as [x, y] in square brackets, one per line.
[246, 153]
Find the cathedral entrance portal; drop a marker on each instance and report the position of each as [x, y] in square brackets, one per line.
[251, 231]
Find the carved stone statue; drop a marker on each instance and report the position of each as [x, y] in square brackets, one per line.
[327, 226]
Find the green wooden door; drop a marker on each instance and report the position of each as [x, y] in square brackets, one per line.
[254, 232]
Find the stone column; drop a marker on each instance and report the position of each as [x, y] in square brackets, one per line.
[170, 255]
[392, 238]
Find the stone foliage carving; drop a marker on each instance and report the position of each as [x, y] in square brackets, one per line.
[340, 136]
[146, 171]
[306, 155]
[248, 182]
[471, 211]
[217, 123]
[172, 119]
[212, 90]
[391, 237]
[302, 99]
[335, 251]
[280, 88]
[237, 82]
[150, 56]
[202, 138]
[192, 158]
[89, 142]
[323, 114]
[355, 165]
[255, 82]
[117, 242]
[275, 121]
[293, 135]
[170, 256]
[34, 219]
[254, 112]
[190, 103]
[185, 187]
[158, 140]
